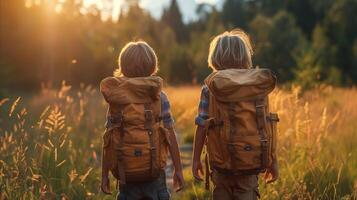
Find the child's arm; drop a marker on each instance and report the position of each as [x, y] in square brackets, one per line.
[272, 173]
[199, 141]
[176, 160]
[105, 185]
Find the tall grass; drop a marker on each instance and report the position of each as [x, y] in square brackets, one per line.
[51, 152]
[51, 143]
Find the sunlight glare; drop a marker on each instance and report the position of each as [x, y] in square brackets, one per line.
[30, 3]
[58, 8]
[109, 9]
[98, 3]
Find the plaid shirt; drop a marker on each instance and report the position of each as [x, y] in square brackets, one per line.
[203, 107]
[166, 112]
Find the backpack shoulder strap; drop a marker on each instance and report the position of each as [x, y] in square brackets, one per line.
[122, 179]
[231, 106]
[212, 122]
[112, 123]
[214, 119]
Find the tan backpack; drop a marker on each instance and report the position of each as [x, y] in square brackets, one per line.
[241, 132]
[135, 144]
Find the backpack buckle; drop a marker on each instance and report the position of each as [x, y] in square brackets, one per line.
[273, 117]
[215, 122]
[120, 154]
[114, 120]
[231, 148]
[148, 115]
[264, 143]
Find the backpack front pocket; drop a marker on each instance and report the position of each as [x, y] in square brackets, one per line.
[245, 152]
[136, 157]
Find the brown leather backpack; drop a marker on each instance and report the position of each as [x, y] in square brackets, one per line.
[135, 143]
[241, 132]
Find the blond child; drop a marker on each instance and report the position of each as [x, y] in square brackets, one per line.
[230, 58]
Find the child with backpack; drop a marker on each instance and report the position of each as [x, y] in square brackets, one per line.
[234, 122]
[139, 128]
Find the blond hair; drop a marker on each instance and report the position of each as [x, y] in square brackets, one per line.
[137, 59]
[231, 49]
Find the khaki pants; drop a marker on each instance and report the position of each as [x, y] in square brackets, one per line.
[235, 187]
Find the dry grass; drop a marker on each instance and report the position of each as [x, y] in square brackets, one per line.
[50, 143]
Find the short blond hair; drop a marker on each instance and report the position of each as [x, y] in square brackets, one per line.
[231, 49]
[137, 59]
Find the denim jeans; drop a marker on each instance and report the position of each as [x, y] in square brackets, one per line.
[153, 190]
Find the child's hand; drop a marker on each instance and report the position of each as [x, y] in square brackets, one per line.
[197, 169]
[272, 173]
[179, 181]
[105, 186]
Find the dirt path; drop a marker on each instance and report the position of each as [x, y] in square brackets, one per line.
[186, 156]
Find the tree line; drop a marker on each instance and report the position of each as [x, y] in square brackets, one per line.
[303, 41]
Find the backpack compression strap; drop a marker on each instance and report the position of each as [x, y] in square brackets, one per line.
[261, 123]
[149, 119]
[122, 180]
[210, 123]
[232, 129]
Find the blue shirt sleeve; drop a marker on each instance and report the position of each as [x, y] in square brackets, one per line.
[203, 107]
[166, 112]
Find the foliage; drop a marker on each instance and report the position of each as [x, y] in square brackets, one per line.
[234, 13]
[56, 40]
[51, 144]
[173, 18]
[51, 141]
[43, 155]
[275, 47]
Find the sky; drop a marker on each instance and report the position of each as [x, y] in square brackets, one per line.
[187, 7]
[155, 7]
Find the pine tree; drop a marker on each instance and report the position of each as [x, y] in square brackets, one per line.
[173, 18]
[234, 13]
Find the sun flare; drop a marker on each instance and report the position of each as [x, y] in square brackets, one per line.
[109, 9]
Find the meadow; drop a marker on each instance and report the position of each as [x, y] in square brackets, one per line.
[51, 143]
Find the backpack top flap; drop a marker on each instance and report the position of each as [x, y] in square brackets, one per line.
[123, 90]
[232, 85]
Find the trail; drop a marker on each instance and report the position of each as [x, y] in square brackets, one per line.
[186, 158]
